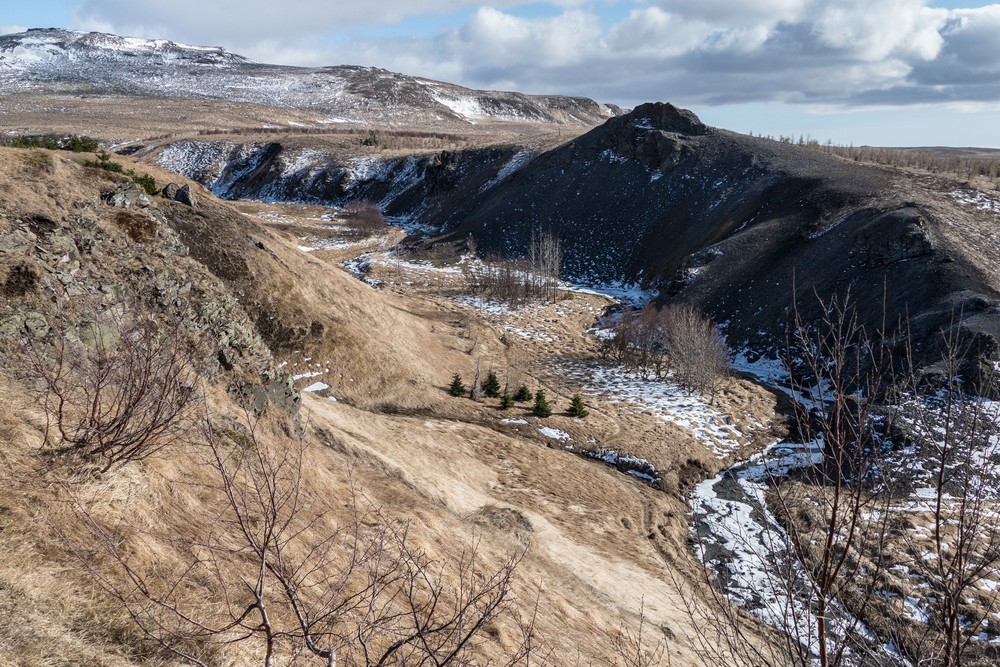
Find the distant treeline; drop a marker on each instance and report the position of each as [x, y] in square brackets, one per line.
[963, 166]
[388, 139]
[73, 142]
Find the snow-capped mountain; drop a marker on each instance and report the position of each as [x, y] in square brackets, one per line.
[51, 61]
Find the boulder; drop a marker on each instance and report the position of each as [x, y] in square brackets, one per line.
[184, 195]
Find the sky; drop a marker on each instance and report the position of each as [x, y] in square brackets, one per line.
[855, 72]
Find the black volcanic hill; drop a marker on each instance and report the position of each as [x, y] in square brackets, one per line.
[745, 227]
[731, 222]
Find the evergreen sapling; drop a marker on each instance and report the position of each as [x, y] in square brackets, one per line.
[491, 385]
[456, 388]
[542, 407]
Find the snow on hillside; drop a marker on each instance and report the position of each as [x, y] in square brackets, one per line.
[62, 61]
[977, 199]
[665, 400]
[519, 160]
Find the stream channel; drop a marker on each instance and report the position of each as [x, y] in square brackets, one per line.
[741, 541]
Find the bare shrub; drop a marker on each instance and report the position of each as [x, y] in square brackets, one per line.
[290, 583]
[517, 282]
[696, 351]
[506, 280]
[633, 649]
[365, 219]
[545, 260]
[116, 391]
[884, 546]
[821, 506]
[957, 165]
[956, 436]
[676, 340]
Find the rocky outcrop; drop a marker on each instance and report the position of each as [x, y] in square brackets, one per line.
[61, 276]
[177, 193]
[128, 195]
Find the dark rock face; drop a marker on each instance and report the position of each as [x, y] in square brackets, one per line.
[662, 117]
[170, 190]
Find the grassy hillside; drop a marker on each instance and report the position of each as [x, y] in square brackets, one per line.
[134, 561]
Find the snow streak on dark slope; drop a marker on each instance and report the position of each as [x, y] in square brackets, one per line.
[411, 189]
[68, 62]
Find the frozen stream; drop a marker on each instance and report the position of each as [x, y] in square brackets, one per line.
[741, 541]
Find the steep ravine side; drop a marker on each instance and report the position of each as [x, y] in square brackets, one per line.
[419, 188]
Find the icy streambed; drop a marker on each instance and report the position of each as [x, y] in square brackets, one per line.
[740, 540]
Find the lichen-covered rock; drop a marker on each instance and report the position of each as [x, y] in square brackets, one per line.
[35, 324]
[128, 195]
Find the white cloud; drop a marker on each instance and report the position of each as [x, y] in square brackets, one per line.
[252, 21]
[835, 53]
[972, 36]
[493, 36]
[11, 29]
[882, 29]
[655, 33]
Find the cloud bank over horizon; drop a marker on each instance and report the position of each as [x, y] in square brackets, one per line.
[838, 55]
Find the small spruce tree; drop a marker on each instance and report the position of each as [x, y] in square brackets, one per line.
[491, 385]
[542, 407]
[522, 394]
[577, 408]
[456, 388]
[506, 402]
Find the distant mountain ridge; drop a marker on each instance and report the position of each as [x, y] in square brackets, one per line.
[54, 61]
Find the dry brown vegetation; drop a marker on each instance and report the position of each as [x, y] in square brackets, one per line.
[87, 557]
[970, 164]
[364, 219]
[150, 121]
[675, 340]
[517, 282]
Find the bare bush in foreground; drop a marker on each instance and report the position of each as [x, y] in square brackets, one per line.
[120, 394]
[956, 437]
[883, 546]
[287, 582]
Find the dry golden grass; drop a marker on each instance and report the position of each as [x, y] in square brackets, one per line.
[601, 545]
[154, 121]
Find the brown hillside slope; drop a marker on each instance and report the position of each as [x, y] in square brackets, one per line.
[601, 547]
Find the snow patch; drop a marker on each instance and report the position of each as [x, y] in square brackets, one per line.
[317, 386]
